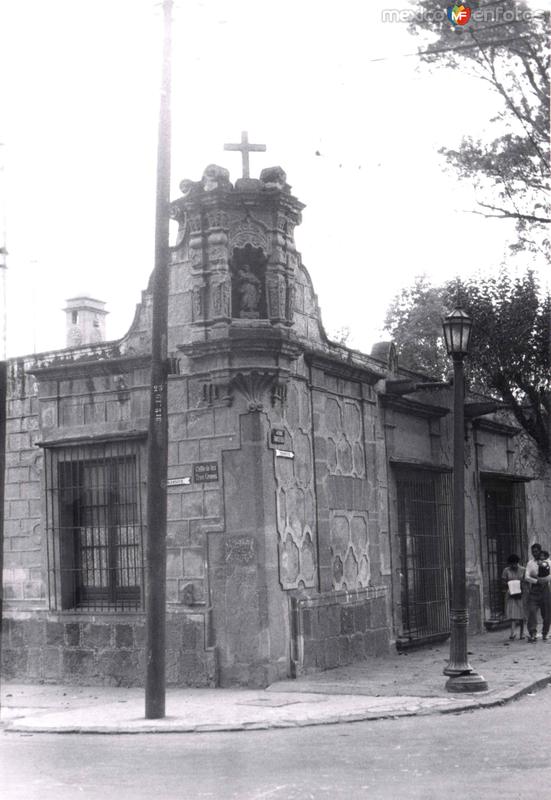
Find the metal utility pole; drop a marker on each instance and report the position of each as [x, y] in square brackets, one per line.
[158, 422]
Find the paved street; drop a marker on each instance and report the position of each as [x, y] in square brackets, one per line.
[488, 753]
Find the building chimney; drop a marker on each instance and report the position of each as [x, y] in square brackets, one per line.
[85, 320]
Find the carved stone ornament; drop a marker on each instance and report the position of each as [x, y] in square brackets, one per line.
[273, 300]
[218, 252]
[282, 223]
[197, 303]
[277, 295]
[279, 394]
[221, 294]
[274, 178]
[186, 186]
[195, 224]
[215, 177]
[282, 296]
[196, 256]
[217, 219]
[291, 296]
[254, 386]
[248, 232]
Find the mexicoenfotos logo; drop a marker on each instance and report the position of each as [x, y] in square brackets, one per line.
[459, 14]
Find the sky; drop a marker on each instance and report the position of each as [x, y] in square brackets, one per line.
[79, 105]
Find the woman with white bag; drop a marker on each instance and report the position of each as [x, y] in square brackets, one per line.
[513, 576]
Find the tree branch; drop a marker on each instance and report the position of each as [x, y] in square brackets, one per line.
[506, 214]
[505, 95]
[541, 93]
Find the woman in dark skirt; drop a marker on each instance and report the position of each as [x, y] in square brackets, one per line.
[513, 576]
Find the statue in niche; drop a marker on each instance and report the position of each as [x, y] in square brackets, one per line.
[248, 279]
[249, 292]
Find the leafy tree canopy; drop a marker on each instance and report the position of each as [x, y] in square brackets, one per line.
[511, 341]
[506, 44]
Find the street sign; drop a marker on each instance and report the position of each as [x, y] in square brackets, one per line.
[284, 454]
[178, 482]
[205, 472]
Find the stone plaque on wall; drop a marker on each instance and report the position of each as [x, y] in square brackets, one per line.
[239, 550]
[277, 436]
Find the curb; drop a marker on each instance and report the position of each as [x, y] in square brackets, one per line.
[505, 696]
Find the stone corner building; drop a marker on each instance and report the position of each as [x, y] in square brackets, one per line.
[309, 484]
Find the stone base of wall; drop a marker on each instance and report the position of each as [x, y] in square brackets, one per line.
[103, 649]
[254, 676]
[339, 628]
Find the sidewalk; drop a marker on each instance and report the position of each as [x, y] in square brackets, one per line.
[395, 686]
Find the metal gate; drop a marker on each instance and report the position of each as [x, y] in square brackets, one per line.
[505, 534]
[424, 526]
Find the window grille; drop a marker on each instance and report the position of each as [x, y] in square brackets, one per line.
[424, 527]
[94, 525]
[505, 534]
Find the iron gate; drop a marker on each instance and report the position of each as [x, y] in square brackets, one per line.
[505, 534]
[424, 527]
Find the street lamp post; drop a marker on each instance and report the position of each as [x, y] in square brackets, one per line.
[462, 678]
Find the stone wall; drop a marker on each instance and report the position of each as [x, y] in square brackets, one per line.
[23, 551]
[102, 649]
[249, 609]
[335, 629]
[295, 489]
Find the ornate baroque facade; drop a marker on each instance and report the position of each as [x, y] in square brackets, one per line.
[308, 491]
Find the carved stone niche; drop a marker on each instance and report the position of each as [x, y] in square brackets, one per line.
[248, 271]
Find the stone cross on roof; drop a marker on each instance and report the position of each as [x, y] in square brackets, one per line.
[245, 149]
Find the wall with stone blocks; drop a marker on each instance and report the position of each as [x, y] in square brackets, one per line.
[23, 554]
[337, 629]
[106, 650]
[199, 432]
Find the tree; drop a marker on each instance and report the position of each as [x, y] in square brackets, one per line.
[341, 335]
[511, 341]
[414, 320]
[505, 43]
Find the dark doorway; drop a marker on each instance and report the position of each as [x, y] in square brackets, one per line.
[424, 527]
[505, 534]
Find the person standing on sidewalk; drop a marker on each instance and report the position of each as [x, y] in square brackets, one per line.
[513, 576]
[545, 557]
[538, 577]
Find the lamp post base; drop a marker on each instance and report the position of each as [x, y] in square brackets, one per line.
[468, 682]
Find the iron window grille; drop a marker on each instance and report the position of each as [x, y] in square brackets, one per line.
[94, 526]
